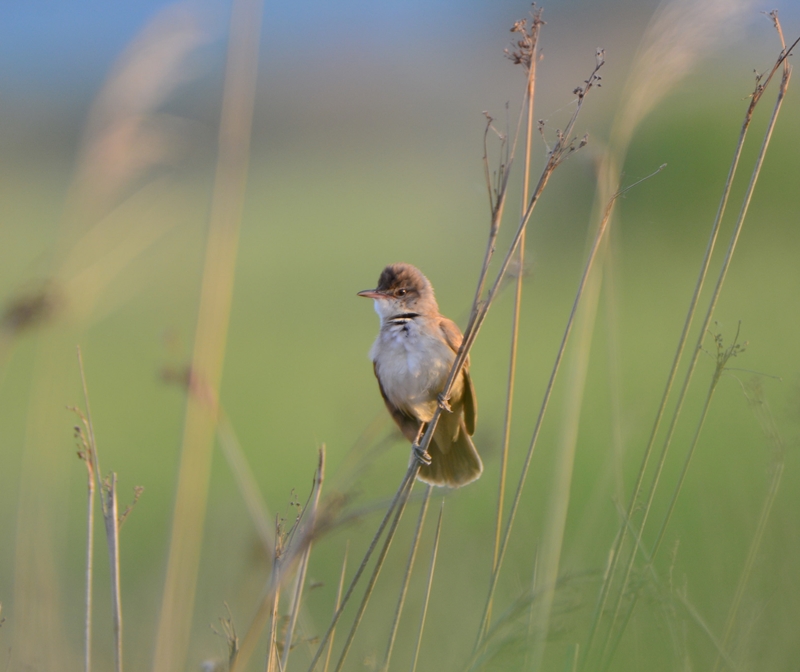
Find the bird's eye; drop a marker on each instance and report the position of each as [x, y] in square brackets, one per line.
[400, 292]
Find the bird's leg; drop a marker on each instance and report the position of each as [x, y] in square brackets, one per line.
[444, 403]
[420, 455]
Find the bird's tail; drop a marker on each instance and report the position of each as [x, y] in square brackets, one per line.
[454, 459]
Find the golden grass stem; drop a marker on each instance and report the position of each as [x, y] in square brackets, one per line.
[238, 99]
[303, 566]
[336, 605]
[272, 651]
[512, 365]
[375, 573]
[423, 510]
[709, 313]
[428, 587]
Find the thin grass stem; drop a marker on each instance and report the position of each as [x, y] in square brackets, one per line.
[336, 606]
[112, 536]
[512, 365]
[108, 500]
[410, 474]
[303, 566]
[423, 510]
[428, 589]
[89, 566]
[375, 573]
[272, 651]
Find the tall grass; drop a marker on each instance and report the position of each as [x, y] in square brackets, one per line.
[591, 611]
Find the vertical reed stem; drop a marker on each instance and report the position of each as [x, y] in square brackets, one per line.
[238, 100]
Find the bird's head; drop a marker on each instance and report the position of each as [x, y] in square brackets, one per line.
[402, 290]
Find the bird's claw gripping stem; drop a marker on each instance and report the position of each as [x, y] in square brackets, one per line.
[444, 403]
[422, 456]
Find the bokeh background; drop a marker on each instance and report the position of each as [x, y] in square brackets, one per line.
[366, 149]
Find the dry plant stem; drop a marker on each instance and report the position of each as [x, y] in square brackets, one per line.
[112, 535]
[512, 365]
[303, 566]
[89, 565]
[428, 589]
[542, 410]
[210, 335]
[108, 502]
[617, 547]
[407, 577]
[410, 475]
[755, 545]
[336, 606]
[375, 573]
[712, 304]
[272, 653]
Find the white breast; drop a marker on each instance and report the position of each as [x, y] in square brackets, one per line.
[412, 361]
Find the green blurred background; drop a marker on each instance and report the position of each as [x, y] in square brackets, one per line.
[366, 150]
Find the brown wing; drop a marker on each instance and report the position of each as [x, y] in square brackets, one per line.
[452, 335]
[408, 425]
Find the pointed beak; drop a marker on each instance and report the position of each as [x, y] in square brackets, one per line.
[373, 294]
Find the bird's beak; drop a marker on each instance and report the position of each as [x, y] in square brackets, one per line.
[373, 294]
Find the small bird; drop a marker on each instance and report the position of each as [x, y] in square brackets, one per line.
[412, 358]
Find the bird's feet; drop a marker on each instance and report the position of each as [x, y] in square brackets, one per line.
[444, 403]
[421, 456]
